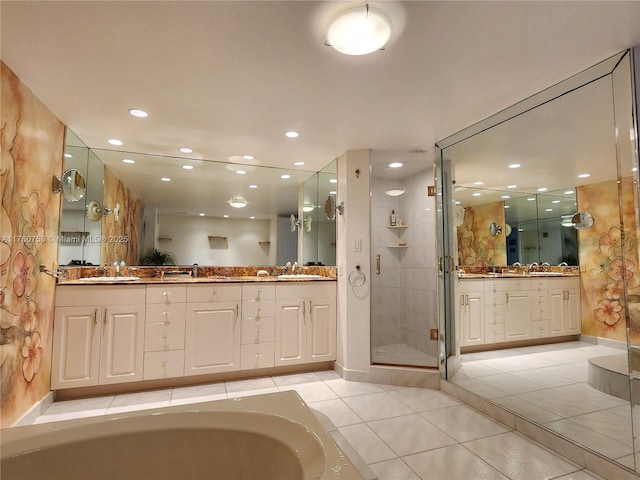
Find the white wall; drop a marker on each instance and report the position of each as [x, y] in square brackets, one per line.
[76, 221]
[190, 243]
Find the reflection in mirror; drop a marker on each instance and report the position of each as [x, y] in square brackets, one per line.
[495, 229]
[582, 220]
[73, 185]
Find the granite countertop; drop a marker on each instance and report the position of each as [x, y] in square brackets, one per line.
[517, 275]
[188, 280]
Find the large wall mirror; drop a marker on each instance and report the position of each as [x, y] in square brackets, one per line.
[199, 211]
[554, 179]
[319, 233]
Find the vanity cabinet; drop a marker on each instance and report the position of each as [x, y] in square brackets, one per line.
[98, 335]
[212, 334]
[305, 323]
[257, 336]
[564, 304]
[471, 313]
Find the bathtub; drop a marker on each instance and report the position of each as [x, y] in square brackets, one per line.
[263, 437]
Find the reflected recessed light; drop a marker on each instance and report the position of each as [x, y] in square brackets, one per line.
[333, 192]
[136, 112]
[298, 164]
[531, 199]
[201, 214]
[555, 201]
[584, 175]
[395, 164]
[248, 157]
[186, 150]
[457, 202]
[333, 180]
[253, 186]
[543, 189]
[128, 160]
[252, 218]
[507, 206]
[506, 196]
[241, 172]
[478, 183]
[515, 165]
[548, 209]
[569, 192]
[285, 176]
[512, 186]
[395, 191]
[114, 141]
[477, 194]
[307, 208]
[187, 167]
[237, 202]
[165, 179]
[291, 134]
[225, 216]
[67, 155]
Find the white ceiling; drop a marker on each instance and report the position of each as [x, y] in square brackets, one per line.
[229, 78]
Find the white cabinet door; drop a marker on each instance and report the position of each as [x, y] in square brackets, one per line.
[212, 342]
[290, 338]
[565, 311]
[122, 343]
[517, 314]
[472, 317]
[556, 311]
[572, 319]
[321, 330]
[76, 347]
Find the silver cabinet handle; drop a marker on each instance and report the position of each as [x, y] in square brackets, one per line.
[506, 298]
[461, 299]
[466, 299]
[104, 321]
[378, 264]
[95, 317]
[237, 311]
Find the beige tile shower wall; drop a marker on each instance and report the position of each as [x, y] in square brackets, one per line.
[32, 151]
[122, 236]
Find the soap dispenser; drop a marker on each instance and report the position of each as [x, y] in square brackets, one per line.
[392, 220]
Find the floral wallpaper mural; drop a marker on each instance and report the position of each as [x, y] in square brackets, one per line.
[608, 255]
[122, 236]
[32, 141]
[476, 246]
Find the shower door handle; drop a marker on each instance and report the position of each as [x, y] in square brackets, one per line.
[378, 264]
[452, 265]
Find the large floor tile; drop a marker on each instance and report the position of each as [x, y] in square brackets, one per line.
[527, 410]
[509, 383]
[366, 443]
[251, 384]
[81, 408]
[519, 458]
[346, 388]
[338, 412]
[296, 378]
[423, 399]
[311, 392]
[395, 469]
[410, 434]
[249, 393]
[198, 393]
[452, 463]
[376, 406]
[130, 402]
[464, 423]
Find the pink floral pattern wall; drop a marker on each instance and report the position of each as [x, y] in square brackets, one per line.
[476, 246]
[608, 255]
[32, 150]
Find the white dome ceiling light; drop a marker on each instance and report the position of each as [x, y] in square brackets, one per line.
[238, 202]
[358, 31]
[395, 191]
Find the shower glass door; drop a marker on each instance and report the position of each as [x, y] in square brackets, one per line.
[404, 322]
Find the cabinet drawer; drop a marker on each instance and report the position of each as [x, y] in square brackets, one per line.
[258, 291]
[539, 328]
[160, 336]
[256, 356]
[258, 331]
[166, 294]
[254, 310]
[493, 286]
[77, 295]
[517, 284]
[539, 298]
[494, 298]
[214, 293]
[494, 333]
[163, 364]
[306, 290]
[493, 315]
[539, 284]
[159, 313]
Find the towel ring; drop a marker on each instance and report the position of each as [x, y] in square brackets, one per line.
[357, 278]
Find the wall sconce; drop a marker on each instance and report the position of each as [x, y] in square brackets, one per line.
[95, 211]
[582, 220]
[330, 208]
[305, 224]
[72, 185]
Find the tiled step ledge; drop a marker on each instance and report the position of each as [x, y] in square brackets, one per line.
[576, 453]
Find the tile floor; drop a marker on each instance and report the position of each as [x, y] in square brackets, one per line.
[401, 433]
[548, 385]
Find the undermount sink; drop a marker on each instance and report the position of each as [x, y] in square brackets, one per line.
[108, 279]
[545, 274]
[301, 276]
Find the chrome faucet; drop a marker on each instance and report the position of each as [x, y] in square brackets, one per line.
[293, 268]
[194, 270]
[118, 265]
[532, 266]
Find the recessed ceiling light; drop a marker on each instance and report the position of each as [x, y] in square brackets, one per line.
[252, 218]
[186, 150]
[531, 199]
[569, 192]
[395, 164]
[477, 194]
[507, 206]
[333, 180]
[114, 141]
[478, 183]
[201, 214]
[515, 165]
[548, 209]
[291, 134]
[506, 196]
[584, 175]
[241, 172]
[298, 164]
[67, 155]
[285, 176]
[512, 186]
[253, 186]
[543, 189]
[136, 112]
[165, 179]
[333, 192]
[187, 167]
[248, 157]
[555, 201]
[128, 160]
[225, 216]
